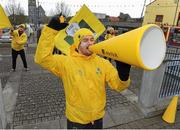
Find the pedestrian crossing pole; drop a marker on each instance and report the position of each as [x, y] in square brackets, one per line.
[177, 4]
[143, 8]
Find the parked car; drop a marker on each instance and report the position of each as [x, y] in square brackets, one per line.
[5, 37]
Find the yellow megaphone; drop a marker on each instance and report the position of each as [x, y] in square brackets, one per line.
[144, 47]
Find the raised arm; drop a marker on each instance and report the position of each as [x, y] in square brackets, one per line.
[44, 50]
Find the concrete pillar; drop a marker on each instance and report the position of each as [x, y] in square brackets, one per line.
[3, 121]
[150, 88]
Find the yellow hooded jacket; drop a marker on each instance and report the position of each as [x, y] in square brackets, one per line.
[21, 40]
[108, 36]
[84, 78]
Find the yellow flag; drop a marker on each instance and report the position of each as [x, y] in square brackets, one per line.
[84, 18]
[4, 21]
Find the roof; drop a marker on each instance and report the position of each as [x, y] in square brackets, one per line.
[151, 2]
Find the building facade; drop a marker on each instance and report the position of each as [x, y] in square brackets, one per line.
[100, 15]
[32, 12]
[163, 12]
[36, 14]
[40, 14]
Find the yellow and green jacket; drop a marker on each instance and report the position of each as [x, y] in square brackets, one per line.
[21, 40]
[107, 36]
[83, 77]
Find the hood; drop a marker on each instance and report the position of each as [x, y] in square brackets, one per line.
[79, 35]
[22, 26]
[77, 38]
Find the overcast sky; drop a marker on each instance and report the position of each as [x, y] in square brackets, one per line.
[110, 7]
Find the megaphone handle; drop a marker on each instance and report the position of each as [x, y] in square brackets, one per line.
[123, 70]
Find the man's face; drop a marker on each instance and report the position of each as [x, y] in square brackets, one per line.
[21, 29]
[111, 31]
[84, 45]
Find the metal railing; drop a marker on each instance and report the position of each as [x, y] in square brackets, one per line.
[171, 80]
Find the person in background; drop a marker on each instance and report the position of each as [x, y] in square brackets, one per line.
[19, 38]
[84, 75]
[29, 32]
[39, 31]
[109, 33]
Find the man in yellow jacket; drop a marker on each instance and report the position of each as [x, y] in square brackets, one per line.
[84, 75]
[19, 38]
[110, 33]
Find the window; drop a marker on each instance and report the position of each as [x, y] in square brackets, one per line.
[159, 18]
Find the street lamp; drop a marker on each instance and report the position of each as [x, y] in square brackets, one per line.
[143, 8]
[38, 16]
[175, 12]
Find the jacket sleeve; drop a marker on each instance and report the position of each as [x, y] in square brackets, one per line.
[113, 79]
[22, 40]
[12, 32]
[44, 56]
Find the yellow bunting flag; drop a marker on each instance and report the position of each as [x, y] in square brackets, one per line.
[4, 21]
[84, 18]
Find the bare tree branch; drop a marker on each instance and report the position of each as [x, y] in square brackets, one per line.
[20, 10]
[61, 7]
[13, 8]
[15, 12]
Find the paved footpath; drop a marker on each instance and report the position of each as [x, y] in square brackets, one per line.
[35, 99]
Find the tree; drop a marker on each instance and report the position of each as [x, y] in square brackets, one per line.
[15, 12]
[19, 10]
[63, 8]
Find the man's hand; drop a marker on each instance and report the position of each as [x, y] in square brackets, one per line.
[11, 31]
[17, 42]
[123, 70]
[56, 24]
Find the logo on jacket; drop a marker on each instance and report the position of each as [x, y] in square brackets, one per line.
[98, 71]
[80, 72]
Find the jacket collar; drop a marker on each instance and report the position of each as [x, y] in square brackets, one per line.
[16, 31]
